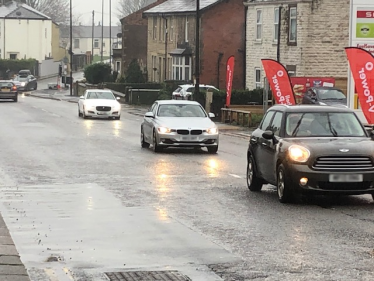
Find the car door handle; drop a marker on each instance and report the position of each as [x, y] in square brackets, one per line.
[264, 144]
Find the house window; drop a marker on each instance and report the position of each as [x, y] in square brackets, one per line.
[96, 43]
[118, 66]
[259, 25]
[163, 29]
[257, 77]
[159, 69]
[154, 31]
[292, 27]
[181, 68]
[13, 56]
[169, 69]
[171, 30]
[186, 30]
[160, 29]
[276, 23]
[76, 43]
[154, 68]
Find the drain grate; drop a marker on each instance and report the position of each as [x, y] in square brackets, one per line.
[170, 275]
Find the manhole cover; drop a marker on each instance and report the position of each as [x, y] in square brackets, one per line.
[170, 275]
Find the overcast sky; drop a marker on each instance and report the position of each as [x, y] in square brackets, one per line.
[85, 8]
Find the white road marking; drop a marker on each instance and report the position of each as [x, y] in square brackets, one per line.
[235, 176]
[44, 110]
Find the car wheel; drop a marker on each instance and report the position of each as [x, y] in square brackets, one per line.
[253, 182]
[143, 143]
[212, 149]
[15, 99]
[36, 87]
[84, 114]
[79, 112]
[156, 147]
[284, 189]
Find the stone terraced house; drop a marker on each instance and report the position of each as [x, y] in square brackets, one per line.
[313, 34]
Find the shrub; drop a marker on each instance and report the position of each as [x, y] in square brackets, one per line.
[16, 65]
[98, 73]
[134, 74]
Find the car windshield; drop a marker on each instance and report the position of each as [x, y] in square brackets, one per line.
[331, 94]
[323, 124]
[21, 79]
[181, 110]
[101, 95]
[6, 85]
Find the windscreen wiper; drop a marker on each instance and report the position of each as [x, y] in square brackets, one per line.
[332, 130]
[297, 125]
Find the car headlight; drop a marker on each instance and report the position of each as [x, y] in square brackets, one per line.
[212, 131]
[23, 84]
[163, 130]
[322, 103]
[298, 153]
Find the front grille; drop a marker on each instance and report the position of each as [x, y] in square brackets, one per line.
[183, 132]
[344, 163]
[103, 108]
[196, 132]
[344, 186]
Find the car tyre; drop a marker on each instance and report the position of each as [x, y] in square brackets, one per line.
[156, 147]
[15, 99]
[253, 182]
[212, 149]
[36, 87]
[143, 143]
[79, 113]
[84, 114]
[284, 188]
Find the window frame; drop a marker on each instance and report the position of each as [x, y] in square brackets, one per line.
[276, 24]
[292, 42]
[257, 83]
[259, 21]
[154, 28]
[179, 66]
[75, 43]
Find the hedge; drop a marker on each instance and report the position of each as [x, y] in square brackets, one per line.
[16, 65]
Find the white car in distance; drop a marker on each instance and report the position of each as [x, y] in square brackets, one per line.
[100, 104]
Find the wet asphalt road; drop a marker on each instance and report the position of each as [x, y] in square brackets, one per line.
[81, 198]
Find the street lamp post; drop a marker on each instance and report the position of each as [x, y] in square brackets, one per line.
[71, 49]
[197, 50]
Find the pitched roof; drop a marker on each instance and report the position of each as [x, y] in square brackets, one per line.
[12, 9]
[82, 31]
[180, 6]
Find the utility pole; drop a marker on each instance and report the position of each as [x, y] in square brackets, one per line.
[93, 36]
[166, 46]
[110, 33]
[197, 50]
[71, 49]
[102, 29]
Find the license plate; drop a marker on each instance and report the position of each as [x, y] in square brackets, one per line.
[346, 178]
[189, 138]
[103, 113]
[5, 90]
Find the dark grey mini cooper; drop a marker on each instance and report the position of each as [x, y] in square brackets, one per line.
[307, 149]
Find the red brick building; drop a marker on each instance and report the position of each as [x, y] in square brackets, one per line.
[134, 38]
[222, 35]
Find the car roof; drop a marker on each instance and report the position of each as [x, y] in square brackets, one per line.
[191, 85]
[98, 90]
[309, 108]
[177, 102]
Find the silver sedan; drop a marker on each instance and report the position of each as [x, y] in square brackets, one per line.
[178, 123]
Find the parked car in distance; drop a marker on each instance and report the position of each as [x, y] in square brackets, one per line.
[25, 83]
[99, 104]
[178, 123]
[185, 92]
[8, 90]
[324, 96]
[307, 149]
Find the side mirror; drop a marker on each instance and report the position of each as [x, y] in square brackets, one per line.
[118, 98]
[211, 115]
[149, 115]
[268, 135]
[81, 97]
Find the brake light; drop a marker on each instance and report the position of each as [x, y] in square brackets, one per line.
[14, 88]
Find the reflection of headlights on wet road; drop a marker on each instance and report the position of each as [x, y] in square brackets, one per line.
[212, 131]
[298, 153]
[163, 130]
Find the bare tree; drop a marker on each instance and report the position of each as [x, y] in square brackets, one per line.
[127, 7]
[57, 10]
